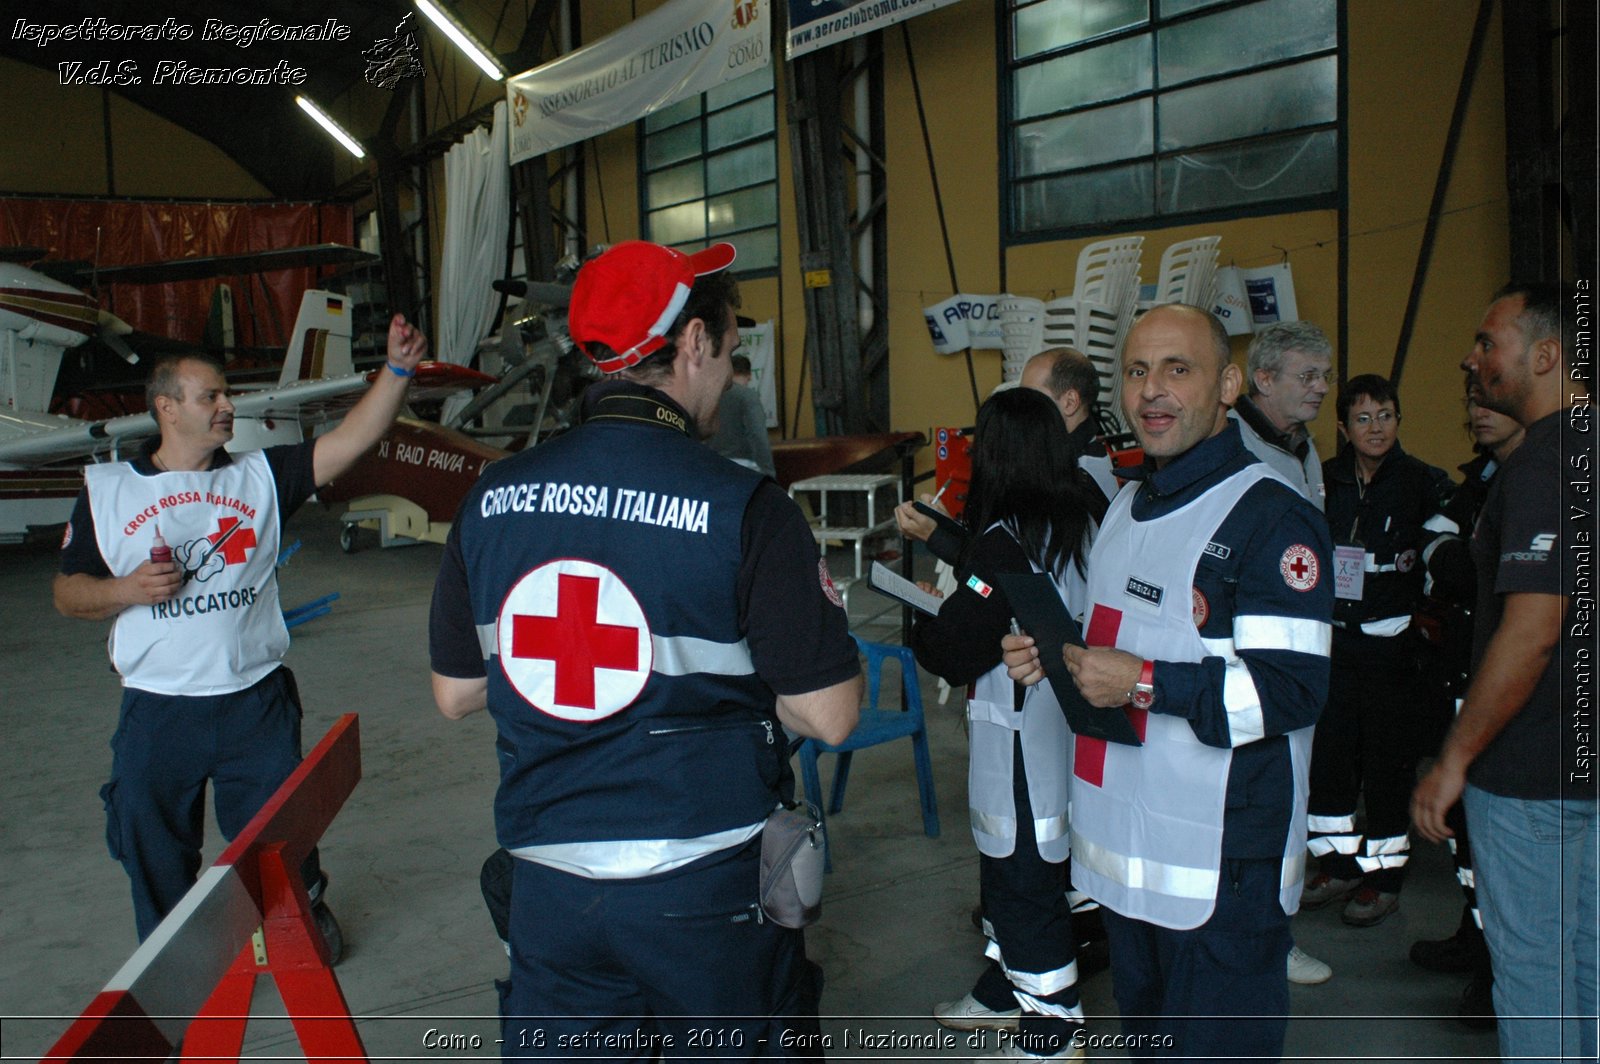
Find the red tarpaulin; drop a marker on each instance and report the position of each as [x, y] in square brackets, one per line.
[129, 232]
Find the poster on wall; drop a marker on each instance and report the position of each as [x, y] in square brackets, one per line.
[1270, 290]
[965, 320]
[816, 24]
[680, 49]
[1231, 303]
[756, 344]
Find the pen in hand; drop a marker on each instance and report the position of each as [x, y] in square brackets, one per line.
[940, 493]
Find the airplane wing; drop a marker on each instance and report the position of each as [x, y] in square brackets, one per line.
[28, 440]
[203, 268]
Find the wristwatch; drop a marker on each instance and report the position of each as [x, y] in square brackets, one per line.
[1143, 695]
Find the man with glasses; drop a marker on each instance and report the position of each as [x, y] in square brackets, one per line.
[1383, 508]
[1289, 369]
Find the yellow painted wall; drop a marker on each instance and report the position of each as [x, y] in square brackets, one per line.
[56, 145]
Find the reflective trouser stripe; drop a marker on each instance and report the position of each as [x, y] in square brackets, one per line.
[1041, 984]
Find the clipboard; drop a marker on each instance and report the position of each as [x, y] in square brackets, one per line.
[886, 581]
[1038, 608]
[945, 522]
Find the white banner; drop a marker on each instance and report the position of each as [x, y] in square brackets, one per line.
[755, 343]
[964, 321]
[816, 24]
[1232, 306]
[680, 49]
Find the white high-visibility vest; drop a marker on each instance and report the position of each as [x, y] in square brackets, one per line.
[224, 630]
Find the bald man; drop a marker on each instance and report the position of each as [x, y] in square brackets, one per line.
[1210, 595]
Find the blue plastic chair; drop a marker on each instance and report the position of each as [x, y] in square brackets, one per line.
[876, 726]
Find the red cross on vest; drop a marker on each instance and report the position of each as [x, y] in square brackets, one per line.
[573, 641]
[237, 542]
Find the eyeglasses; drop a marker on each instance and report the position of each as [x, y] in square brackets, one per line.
[1311, 376]
[1382, 417]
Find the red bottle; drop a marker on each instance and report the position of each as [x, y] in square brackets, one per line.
[159, 551]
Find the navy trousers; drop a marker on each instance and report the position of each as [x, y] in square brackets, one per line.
[1219, 992]
[165, 749]
[680, 965]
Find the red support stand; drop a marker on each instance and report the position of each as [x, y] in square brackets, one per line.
[254, 884]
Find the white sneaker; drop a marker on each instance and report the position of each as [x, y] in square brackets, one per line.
[1306, 969]
[966, 1014]
[1016, 1052]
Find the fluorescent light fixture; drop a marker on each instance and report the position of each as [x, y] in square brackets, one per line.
[332, 127]
[463, 39]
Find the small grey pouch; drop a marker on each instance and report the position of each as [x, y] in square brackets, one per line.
[793, 849]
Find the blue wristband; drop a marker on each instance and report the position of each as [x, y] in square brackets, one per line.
[398, 372]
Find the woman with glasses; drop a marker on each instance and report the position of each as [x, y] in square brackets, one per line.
[1383, 508]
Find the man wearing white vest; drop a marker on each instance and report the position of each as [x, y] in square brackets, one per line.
[179, 548]
[1210, 596]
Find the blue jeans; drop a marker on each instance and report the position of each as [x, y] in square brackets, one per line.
[1535, 869]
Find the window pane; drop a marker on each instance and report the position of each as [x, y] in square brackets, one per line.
[1245, 37]
[739, 123]
[1094, 74]
[758, 249]
[742, 166]
[1086, 138]
[1301, 95]
[1178, 7]
[739, 89]
[675, 185]
[1280, 168]
[741, 210]
[681, 111]
[1085, 199]
[676, 225]
[1056, 23]
[673, 146]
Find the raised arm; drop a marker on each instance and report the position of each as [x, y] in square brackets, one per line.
[338, 450]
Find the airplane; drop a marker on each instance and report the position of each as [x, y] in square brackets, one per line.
[41, 454]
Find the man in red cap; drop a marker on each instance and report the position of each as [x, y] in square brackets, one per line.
[640, 616]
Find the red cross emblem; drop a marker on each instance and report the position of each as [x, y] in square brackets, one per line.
[574, 641]
[1298, 567]
[1089, 754]
[234, 542]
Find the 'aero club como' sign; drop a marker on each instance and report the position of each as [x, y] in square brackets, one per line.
[680, 49]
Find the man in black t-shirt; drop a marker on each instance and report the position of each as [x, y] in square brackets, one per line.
[1520, 752]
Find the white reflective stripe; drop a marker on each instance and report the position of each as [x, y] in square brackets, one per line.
[1465, 878]
[1387, 626]
[1373, 864]
[1452, 844]
[1392, 844]
[1219, 648]
[1242, 703]
[1440, 523]
[1331, 825]
[1433, 545]
[1029, 1003]
[1001, 827]
[487, 642]
[1043, 984]
[681, 655]
[1477, 917]
[1323, 845]
[1050, 828]
[1303, 635]
[632, 858]
[1141, 873]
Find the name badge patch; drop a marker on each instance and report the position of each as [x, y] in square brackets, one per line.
[1144, 591]
[1218, 551]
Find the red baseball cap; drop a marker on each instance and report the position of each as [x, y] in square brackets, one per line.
[630, 295]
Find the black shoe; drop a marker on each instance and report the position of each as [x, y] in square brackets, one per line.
[331, 933]
[1458, 953]
[1094, 957]
[1477, 1003]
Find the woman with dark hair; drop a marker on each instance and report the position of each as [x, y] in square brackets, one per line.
[1026, 512]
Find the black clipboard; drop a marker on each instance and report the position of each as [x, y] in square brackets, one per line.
[950, 525]
[1038, 609]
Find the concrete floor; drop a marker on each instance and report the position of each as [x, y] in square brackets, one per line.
[404, 853]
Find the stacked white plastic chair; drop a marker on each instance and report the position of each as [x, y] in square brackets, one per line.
[1189, 272]
[1022, 326]
[1095, 318]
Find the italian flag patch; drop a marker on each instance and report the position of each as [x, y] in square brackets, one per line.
[979, 586]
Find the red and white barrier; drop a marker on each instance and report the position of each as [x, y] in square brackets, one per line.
[248, 915]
